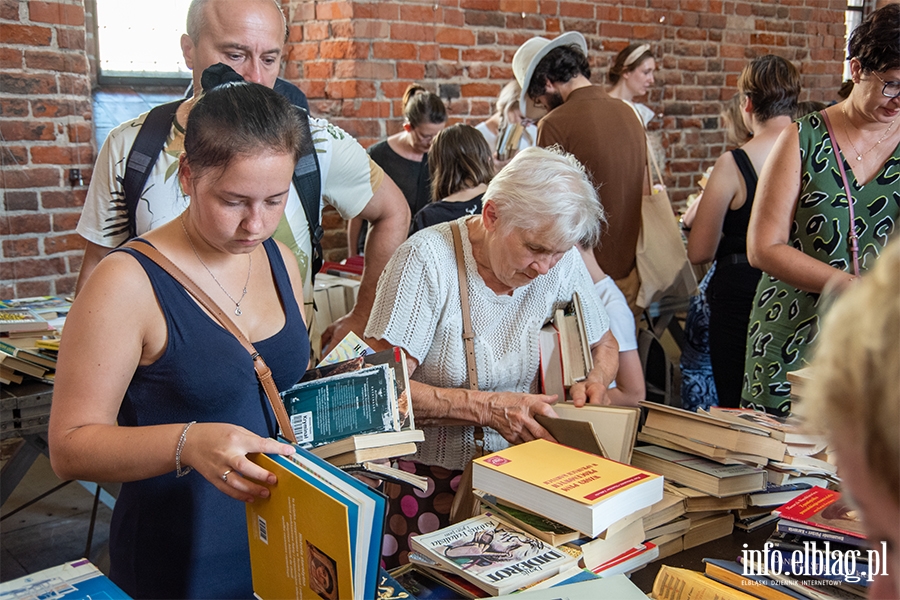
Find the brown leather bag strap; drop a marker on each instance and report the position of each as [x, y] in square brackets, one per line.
[263, 373]
[468, 333]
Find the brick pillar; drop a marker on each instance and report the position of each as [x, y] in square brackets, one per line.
[45, 113]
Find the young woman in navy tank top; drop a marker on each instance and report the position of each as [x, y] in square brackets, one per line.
[151, 391]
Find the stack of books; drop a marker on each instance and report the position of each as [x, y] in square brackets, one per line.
[29, 337]
[750, 461]
[551, 516]
[355, 411]
[817, 551]
[587, 505]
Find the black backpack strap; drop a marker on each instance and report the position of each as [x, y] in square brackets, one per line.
[308, 183]
[143, 154]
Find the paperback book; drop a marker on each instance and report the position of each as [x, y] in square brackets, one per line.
[493, 555]
[583, 491]
[824, 509]
[700, 473]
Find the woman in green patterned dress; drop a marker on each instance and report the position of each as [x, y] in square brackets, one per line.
[798, 233]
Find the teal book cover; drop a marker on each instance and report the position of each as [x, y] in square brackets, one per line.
[342, 404]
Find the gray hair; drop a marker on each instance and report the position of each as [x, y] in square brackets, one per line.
[197, 18]
[548, 188]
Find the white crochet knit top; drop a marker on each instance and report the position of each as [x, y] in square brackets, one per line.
[417, 307]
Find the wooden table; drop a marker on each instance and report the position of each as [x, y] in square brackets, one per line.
[24, 414]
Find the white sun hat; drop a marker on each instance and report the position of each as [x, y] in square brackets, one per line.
[527, 58]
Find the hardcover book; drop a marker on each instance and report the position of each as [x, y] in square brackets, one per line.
[22, 319]
[565, 350]
[331, 551]
[583, 491]
[493, 555]
[615, 426]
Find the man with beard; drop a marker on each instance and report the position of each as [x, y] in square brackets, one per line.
[603, 133]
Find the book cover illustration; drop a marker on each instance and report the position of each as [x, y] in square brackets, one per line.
[497, 556]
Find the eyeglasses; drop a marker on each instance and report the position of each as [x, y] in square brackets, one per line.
[891, 89]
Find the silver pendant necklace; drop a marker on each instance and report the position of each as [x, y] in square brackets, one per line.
[861, 155]
[237, 303]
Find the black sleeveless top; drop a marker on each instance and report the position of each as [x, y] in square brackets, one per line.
[734, 228]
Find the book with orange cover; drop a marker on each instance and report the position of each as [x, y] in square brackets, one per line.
[583, 491]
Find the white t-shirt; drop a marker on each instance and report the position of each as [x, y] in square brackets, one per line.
[642, 110]
[417, 307]
[348, 177]
[621, 319]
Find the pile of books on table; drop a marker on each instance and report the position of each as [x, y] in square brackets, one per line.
[29, 337]
[818, 551]
[552, 515]
[354, 409]
[732, 467]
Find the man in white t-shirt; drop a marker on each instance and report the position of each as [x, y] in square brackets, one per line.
[248, 36]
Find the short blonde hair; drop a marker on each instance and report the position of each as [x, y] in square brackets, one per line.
[856, 381]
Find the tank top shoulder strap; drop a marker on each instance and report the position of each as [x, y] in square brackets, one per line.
[282, 280]
[748, 173]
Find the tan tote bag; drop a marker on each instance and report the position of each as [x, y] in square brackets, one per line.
[662, 261]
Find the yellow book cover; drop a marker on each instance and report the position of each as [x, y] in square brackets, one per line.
[296, 552]
[577, 475]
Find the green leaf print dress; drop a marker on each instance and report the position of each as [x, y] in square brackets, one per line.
[784, 320]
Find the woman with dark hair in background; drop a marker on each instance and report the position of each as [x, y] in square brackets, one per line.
[404, 155]
[769, 87]
[631, 77]
[801, 233]
[461, 168]
[153, 392]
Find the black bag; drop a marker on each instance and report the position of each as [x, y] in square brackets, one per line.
[152, 137]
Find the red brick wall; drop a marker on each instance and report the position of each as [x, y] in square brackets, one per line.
[45, 113]
[355, 58]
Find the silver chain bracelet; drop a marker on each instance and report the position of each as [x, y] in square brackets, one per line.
[179, 472]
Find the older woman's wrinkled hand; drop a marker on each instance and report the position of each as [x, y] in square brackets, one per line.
[512, 415]
[218, 451]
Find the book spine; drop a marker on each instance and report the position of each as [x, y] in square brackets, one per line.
[788, 527]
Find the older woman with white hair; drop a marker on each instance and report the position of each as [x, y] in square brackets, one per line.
[520, 263]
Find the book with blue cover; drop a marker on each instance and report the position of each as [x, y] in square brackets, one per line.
[72, 580]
